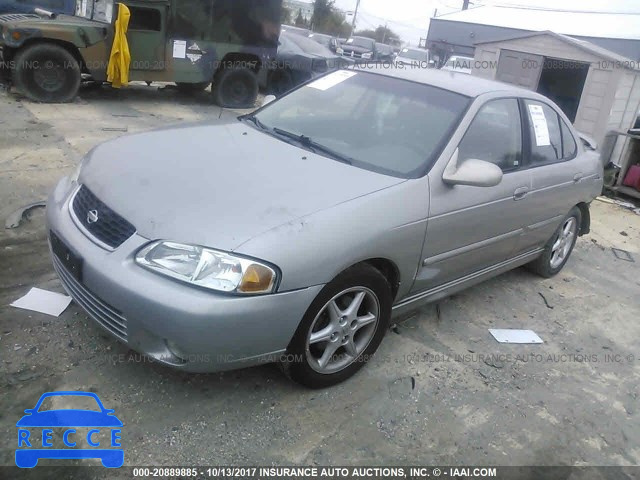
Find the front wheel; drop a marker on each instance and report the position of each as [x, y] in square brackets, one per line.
[235, 87]
[47, 73]
[341, 330]
[558, 249]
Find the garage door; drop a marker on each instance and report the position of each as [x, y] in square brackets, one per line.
[519, 68]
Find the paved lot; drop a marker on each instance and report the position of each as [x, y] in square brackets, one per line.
[440, 391]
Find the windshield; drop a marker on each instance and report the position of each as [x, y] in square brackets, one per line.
[361, 42]
[69, 402]
[307, 45]
[372, 121]
[422, 55]
[100, 10]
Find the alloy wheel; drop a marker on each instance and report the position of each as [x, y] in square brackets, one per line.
[563, 244]
[342, 330]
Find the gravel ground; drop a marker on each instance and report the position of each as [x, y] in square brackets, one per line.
[440, 390]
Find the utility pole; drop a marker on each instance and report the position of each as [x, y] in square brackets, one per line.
[355, 14]
[384, 34]
[465, 4]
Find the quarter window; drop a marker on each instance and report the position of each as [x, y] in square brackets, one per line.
[569, 147]
[495, 135]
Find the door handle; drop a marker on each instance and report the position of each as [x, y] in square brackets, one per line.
[520, 193]
[577, 177]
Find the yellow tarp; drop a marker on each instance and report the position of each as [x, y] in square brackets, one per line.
[120, 58]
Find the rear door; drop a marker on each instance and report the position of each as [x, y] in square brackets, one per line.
[472, 228]
[558, 171]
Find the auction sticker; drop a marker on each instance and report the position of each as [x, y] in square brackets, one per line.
[540, 126]
[331, 80]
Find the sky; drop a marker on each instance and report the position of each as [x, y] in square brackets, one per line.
[410, 18]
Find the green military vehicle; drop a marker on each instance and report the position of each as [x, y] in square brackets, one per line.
[190, 42]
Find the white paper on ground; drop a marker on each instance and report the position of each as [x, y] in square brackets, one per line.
[515, 336]
[540, 125]
[331, 80]
[43, 301]
[179, 48]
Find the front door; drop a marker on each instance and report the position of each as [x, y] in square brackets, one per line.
[473, 228]
[147, 35]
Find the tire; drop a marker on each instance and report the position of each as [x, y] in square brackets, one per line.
[192, 88]
[280, 82]
[235, 88]
[350, 338]
[558, 249]
[47, 73]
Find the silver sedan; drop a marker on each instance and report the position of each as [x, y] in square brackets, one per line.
[295, 233]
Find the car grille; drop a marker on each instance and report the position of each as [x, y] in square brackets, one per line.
[107, 316]
[10, 17]
[106, 225]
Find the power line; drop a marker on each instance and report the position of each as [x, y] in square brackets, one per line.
[549, 9]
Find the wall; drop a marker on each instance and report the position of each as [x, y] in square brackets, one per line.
[463, 36]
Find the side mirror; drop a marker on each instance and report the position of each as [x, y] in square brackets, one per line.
[268, 99]
[473, 172]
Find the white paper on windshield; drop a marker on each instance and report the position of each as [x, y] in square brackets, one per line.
[179, 48]
[331, 80]
[43, 301]
[540, 126]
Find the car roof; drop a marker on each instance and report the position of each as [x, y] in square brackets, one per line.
[468, 85]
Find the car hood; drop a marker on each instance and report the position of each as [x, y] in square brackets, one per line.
[69, 418]
[218, 186]
[354, 48]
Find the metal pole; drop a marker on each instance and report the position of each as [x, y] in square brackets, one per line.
[353, 22]
[465, 4]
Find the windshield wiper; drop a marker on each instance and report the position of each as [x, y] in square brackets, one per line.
[314, 146]
[256, 122]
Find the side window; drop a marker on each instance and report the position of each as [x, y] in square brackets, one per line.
[544, 131]
[143, 18]
[569, 147]
[495, 135]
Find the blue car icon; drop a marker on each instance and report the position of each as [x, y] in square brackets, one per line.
[31, 448]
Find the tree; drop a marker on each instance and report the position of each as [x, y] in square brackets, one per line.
[382, 34]
[286, 16]
[300, 21]
[327, 19]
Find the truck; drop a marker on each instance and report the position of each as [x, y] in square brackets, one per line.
[192, 43]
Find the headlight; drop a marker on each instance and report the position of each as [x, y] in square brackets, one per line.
[208, 268]
[367, 55]
[339, 50]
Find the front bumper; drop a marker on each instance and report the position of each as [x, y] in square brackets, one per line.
[207, 331]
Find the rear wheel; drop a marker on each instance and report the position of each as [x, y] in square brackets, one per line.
[235, 87]
[558, 249]
[341, 330]
[192, 87]
[280, 82]
[47, 73]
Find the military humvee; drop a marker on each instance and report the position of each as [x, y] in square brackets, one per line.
[190, 42]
